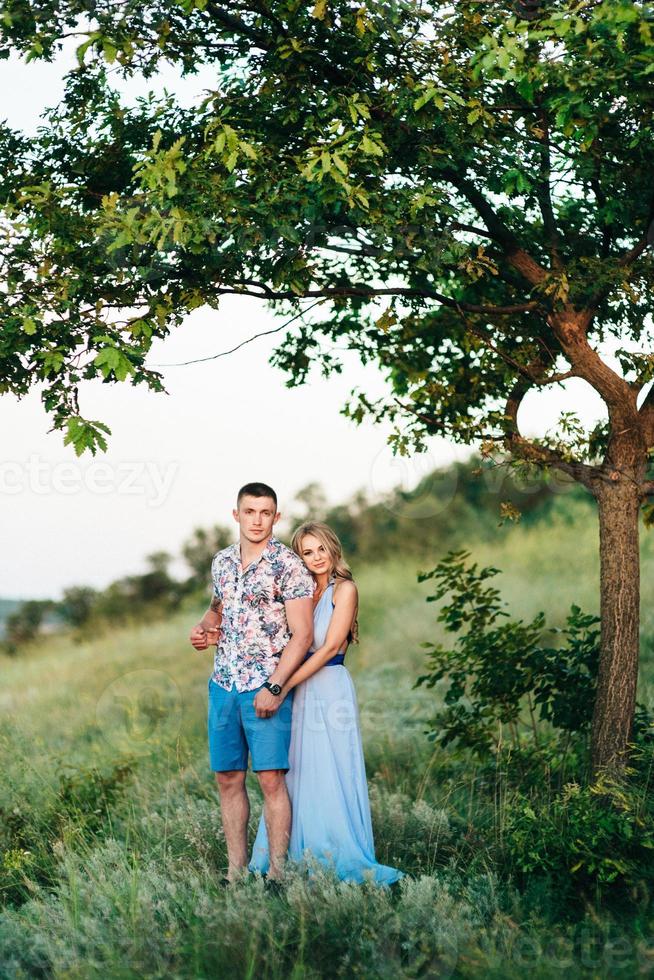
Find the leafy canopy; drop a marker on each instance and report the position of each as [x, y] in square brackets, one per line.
[462, 193]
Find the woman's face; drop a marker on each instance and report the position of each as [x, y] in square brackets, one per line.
[315, 555]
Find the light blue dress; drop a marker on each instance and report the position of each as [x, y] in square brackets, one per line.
[327, 777]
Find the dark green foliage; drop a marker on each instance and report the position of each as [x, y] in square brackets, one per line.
[521, 709]
[80, 807]
[149, 596]
[200, 548]
[77, 605]
[25, 623]
[586, 840]
[86, 796]
[445, 508]
[154, 592]
[497, 669]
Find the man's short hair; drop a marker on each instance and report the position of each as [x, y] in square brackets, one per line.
[256, 490]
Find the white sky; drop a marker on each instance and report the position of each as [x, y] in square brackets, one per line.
[176, 461]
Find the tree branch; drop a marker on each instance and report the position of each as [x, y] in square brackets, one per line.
[532, 452]
[646, 414]
[238, 26]
[457, 225]
[367, 291]
[628, 257]
[515, 254]
[570, 327]
[543, 191]
[249, 340]
[532, 372]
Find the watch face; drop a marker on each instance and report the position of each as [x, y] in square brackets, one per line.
[274, 689]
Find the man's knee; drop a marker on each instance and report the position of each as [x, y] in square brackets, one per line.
[232, 781]
[272, 781]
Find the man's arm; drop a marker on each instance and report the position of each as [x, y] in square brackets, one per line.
[346, 602]
[299, 615]
[210, 621]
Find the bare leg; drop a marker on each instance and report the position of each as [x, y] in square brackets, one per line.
[277, 814]
[235, 812]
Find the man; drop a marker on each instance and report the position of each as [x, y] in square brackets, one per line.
[262, 610]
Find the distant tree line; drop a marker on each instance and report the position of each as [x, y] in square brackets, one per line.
[440, 513]
[149, 596]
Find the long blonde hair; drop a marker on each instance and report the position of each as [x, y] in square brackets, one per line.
[330, 542]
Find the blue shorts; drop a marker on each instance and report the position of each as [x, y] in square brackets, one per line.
[234, 729]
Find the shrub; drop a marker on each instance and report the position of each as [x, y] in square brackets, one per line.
[496, 670]
[588, 840]
[29, 835]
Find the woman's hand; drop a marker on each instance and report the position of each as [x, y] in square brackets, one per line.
[199, 639]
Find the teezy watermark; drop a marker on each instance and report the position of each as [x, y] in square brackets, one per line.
[41, 477]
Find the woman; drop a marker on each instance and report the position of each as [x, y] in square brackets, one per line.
[327, 777]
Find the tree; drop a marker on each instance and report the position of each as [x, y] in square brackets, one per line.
[77, 605]
[25, 624]
[158, 563]
[313, 506]
[200, 549]
[481, 170]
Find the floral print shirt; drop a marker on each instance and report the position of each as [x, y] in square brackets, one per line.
[254, 629]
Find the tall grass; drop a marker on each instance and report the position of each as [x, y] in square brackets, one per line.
[112, 846]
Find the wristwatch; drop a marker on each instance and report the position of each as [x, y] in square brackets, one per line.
[273, 688]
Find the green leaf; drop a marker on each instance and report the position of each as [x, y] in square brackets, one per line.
[107, 360]
[423, 99]
[109, 50]
[83, 48]
[83, 434]
[370, 147]
[248, 150]
[111, 359]
[454, 97]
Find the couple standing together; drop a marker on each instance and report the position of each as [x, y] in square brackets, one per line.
[282, 619]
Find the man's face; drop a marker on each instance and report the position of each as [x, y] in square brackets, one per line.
[256, 516]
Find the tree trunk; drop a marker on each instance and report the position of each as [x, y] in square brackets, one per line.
[619, 509]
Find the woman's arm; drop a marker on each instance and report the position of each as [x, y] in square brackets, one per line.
[346, 599]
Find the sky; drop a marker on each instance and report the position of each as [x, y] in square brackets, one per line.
[175, 461]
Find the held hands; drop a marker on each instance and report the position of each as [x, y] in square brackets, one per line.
[199, 638]
[266, 704]
[203, 636]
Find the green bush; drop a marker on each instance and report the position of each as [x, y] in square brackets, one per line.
[30, 832]
[498, 670]
[588, 840]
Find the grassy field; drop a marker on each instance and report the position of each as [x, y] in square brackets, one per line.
[112, 842]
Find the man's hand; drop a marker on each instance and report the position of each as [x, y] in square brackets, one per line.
[266, 704]
[199, 638]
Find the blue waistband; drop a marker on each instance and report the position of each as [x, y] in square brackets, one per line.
[338, 658]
